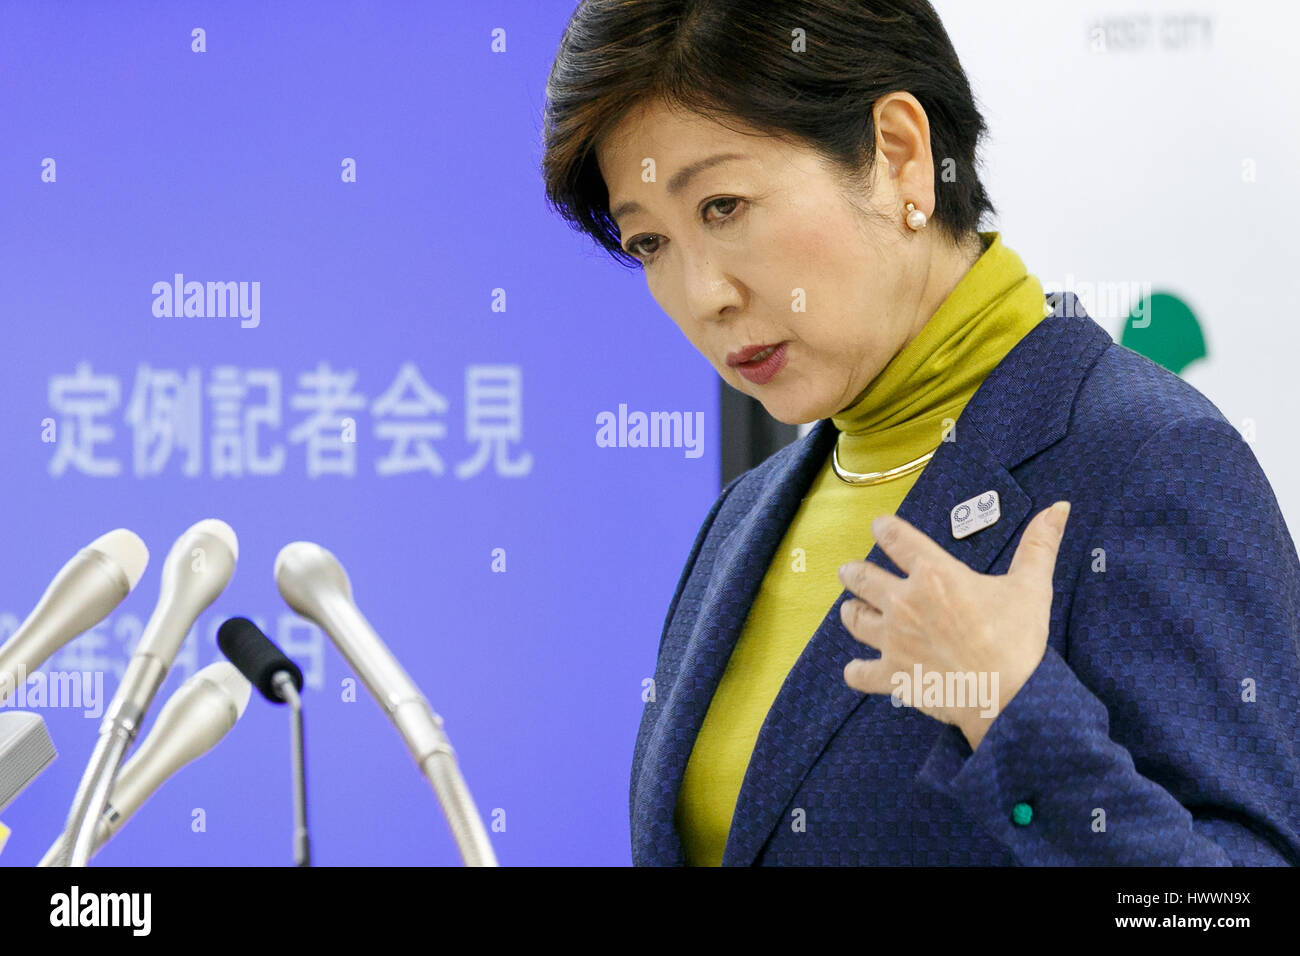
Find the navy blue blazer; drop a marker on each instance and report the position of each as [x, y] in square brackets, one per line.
[1162, 725]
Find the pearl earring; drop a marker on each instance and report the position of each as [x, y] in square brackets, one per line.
[915, 218]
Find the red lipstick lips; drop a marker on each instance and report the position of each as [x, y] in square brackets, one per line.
[758, 363]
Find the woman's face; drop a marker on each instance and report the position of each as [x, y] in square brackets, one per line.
[765, 248]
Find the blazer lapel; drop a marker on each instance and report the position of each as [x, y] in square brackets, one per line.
[698, 658]
[1021, 408]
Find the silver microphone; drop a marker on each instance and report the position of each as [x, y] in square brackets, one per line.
[314, 584]
[193, 721]
[196, 570]
[93, 582]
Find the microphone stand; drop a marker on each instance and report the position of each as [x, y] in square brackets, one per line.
[283, 684]
[115, 736]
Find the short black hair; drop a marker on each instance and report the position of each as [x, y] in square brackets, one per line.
[735, 60]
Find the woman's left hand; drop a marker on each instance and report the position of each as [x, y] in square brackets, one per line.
[947, 619]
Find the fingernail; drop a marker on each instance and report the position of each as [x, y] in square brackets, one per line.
[1057, 515]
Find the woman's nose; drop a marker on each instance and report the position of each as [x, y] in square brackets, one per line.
[711, 291]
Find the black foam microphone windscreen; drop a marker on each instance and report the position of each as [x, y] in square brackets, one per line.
[256, 656]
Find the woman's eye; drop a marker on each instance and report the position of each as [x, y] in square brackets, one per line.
[639, 244]
[636, 246]
[730, 199]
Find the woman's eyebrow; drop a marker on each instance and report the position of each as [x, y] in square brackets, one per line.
[679, 180]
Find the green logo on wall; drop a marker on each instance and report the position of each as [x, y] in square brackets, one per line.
[1165, 330]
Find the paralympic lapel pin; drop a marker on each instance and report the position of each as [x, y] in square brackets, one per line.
[975, 513]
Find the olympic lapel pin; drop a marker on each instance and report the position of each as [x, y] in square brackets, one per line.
[975, 513]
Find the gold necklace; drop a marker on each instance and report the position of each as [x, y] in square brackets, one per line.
[874, 477]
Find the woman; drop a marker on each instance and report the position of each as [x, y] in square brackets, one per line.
[992, 685]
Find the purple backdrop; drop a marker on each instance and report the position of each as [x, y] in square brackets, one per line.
[127, 158]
